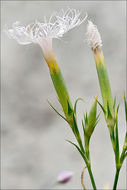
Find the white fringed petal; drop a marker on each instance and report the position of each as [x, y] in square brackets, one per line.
[69, 19]
[42, 33]
[19, 33]
[58, 24]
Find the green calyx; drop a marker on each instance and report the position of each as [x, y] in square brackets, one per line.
[105, 89]
[104, 85]
[91, 120]
[62, 92]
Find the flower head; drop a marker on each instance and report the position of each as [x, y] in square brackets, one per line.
[34, 32]
[42, 33]
[93, 36]
[58, 24]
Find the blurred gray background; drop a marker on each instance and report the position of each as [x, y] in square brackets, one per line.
[34, 149]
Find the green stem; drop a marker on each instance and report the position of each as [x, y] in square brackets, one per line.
[124, 152]
[87, 147]
[91, 177]
[123, 156]
[116, 178]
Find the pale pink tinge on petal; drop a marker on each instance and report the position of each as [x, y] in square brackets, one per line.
[19, 33]
[64, 176]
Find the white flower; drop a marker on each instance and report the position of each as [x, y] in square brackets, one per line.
[93, 36]
[34, 33]
[43, 33]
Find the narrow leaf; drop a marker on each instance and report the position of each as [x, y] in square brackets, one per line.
[75, 126]
[114, 103]
[92, 115]
[97, 118]
[117, 135]
[86, 119]
[109, 115]
[125, 142]
[83, 126]
[97, 121]
[125, 103]
[69, 108]
[82, 154]
[101, 107]
[76, 104]
[56, 111]
[77, 134]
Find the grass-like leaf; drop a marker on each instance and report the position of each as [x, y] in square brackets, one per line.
[76, 131]
[69, 111]
[77, 134]
[83, 126]
[109, 115]
[125, 103]
[117, 135]
[75, 106]
[82, 153]
[86, 119]
[114, 103]
[97, 119]
[57, 111]
[101, 107]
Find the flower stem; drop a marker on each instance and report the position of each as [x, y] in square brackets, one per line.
[116, 178]
[91, 177]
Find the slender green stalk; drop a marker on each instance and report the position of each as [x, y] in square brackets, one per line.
[119, 163]
[122, 157]
[92, 178]
[89, 166]
[89, 124]
[124, 152]
[87, 147]
[116, 179]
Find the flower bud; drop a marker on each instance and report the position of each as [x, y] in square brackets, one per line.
[95, 42]
[91, 120]
[64, 176]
